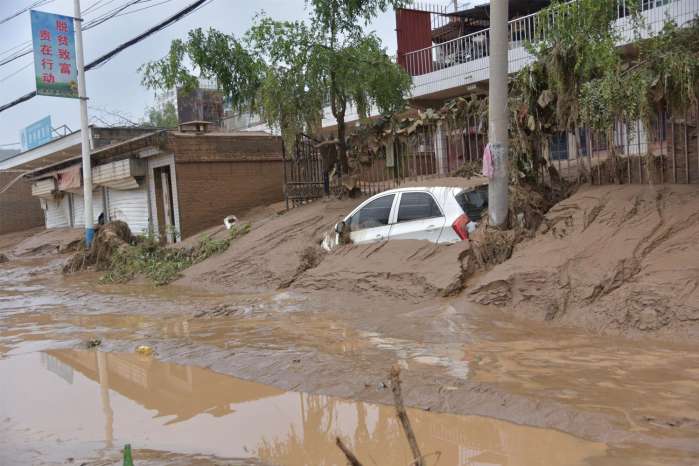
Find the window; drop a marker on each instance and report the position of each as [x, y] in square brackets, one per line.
[474, 203]
[582, 142]
[417, 206]
[559, 146]
[374, 214]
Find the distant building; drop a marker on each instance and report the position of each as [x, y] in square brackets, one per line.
[18, 209]
[169, 183]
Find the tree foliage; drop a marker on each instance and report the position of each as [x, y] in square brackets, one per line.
[162, 117]
[288, 71]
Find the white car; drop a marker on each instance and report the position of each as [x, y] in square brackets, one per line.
[439, 215]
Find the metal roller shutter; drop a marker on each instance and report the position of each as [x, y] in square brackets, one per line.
[79, 208]
[130, 206]
[57, 213]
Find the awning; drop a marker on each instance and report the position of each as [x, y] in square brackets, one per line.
[120, 174]
[44, 189]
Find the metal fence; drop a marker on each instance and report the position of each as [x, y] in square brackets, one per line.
[630, 152]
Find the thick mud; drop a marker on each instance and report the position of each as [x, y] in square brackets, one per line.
[615, 259]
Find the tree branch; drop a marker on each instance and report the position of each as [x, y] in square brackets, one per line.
[403, 416]
[353, 461]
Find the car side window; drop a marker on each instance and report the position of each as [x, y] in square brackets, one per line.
[374, 214]
[417, 206]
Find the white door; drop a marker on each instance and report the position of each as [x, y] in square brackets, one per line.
[130, 206]
[371, 222]
[419, 217]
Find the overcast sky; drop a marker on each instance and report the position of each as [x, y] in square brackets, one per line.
[116, 85]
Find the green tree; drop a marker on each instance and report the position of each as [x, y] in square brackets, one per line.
[289, 71]
[162, 117]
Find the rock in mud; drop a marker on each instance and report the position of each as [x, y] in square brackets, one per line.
[3, 259]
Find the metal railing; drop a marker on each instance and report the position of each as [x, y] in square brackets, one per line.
[475, 46]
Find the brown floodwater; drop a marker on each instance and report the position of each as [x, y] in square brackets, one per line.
[639, 397]
[73, 404]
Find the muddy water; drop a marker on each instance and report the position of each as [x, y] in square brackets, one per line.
[638, 397]
[69, 404]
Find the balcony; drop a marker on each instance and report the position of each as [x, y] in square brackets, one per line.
[447, 69]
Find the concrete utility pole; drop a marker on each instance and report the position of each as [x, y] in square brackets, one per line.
[498, 120]
[84, 129]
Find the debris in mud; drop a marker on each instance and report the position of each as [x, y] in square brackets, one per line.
[222, 310]
[110, 239]
[468, 170]
[93, 343]
[491, 247]
[125, 257]
[402, 414]
[3, 259]
[145, 350]
[309, 259]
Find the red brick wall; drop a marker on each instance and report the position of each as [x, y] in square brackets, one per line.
[19, 210]
[209, 191]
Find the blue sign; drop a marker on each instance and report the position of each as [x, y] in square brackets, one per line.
[36, 134]
[55, 69]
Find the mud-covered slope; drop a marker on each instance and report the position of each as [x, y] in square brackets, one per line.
[403, 270]
[283, 251]
[270, 254]
[619, 258]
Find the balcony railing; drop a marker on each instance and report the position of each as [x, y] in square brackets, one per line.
[472, 48]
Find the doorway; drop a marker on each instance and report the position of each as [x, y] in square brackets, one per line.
[165, 208]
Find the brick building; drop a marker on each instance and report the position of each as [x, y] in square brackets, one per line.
[19, 210]
[170, 183]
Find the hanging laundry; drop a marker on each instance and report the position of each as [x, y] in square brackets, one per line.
[487, 162]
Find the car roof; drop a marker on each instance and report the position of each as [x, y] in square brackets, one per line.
[431, 189]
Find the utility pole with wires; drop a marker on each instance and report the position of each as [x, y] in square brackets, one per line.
[84, 127]
[498, 120]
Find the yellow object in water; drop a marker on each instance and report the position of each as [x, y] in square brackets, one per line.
[144, 350]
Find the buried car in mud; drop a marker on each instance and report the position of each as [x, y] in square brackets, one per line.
[438, 214]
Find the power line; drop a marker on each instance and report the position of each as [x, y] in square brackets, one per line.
[25, 48]
[18, 101]
[171, 20]
[5, 78]
[144, 8]
[36, 4]
[109, 55]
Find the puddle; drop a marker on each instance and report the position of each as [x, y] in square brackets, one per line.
[67, 403]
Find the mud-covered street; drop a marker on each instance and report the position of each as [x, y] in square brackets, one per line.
[272, 377]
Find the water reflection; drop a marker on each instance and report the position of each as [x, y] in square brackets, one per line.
[79, 397]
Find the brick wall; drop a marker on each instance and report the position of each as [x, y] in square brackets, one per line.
[209, 191]
[189, 147]
[19, 210]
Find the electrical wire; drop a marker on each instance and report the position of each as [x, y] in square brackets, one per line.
[195, 6]
[26, 48]
[144, 8]
[36, 4]
[5, 78]
[159, 27]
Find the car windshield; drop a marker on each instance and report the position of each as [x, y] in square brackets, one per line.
[374, 214]
[474, 202]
